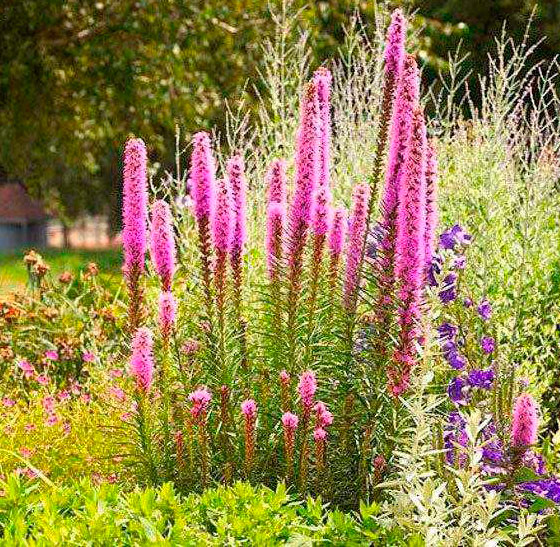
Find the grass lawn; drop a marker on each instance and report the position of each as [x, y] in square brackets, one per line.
[13, 273]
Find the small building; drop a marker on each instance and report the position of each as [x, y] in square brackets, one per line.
[23, 220]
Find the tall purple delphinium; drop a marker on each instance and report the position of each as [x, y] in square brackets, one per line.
[307, 171]
[222, 231]
[357, 228]
[202, 183]
[276, 181]
[405, 102]
[431, 203]
[162, 244]
[135, 219]
[393, 56]
[410, 255]
[142, 359]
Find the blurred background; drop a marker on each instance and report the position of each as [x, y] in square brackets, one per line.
[77, 77]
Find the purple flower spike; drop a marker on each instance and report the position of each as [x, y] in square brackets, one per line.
[485, 309]
[458, 391]
[488, 344]
[481, 378]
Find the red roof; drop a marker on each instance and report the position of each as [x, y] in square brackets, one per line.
[16, 205]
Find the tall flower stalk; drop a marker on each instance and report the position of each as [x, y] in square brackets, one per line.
[335, 242]
[289, 424]
[393, 56]
[142, 370]
[406, 101]
[162, 244]
[307, 171]
[410, 255]
[222, 240]
[236, 173]
[200, 400]
[202, 181]
[249, 411]
[431, 203]
[135, 219]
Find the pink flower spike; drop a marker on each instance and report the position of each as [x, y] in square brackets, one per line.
[356, 237]
[222, 219]
[48, 404]
[142, 361]
[321, 211]
[306, 388]
[323, 79]
[307, 161]
[236, 173]
[162, 243]
[42, 379]
[284, 377]
[290, 421]
[525, 421]
[394, 45]
[202, 176]
[275, 220]
[51, 355]
[249, 409]
[135, 206]
[324, 416]
[167, 313]
[88, 357]
[7, 402]
[337, 232]
[319, 435]
[276, 181]
[200, 399]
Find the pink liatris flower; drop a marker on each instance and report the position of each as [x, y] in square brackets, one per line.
[431, 203]
[249, 411]
[321, 211]
[222, 218]
[394, 45]
[335, 242]
[324, 416]
[51, 355]
[323, 79]
[356, 237]
[289, 423]
[307, 166]
[88, 357]
[141, 360]
[27, 369]
[135, 207]
[275, 219]
[410, 254]
[236, 174]
[525, 421]
[405, 102]
[276, 182]
[167, 313]
[162, 244]
[202, 176]
[200, 400]
[306, 388]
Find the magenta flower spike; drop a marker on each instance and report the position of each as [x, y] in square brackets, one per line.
[431, 203]
[525, 421]
[276, 181]
[321, 212]
[135, 207]
[306, 388]
[323, 80]
[167, 313]
[337, 233]
[275, 220]
[236, 174]
[162, 243]
[307, 164]
[200, 400]
[410, 253]
[356, 237]
[394, 45]
[202, 176]
[142, 360]
[222, 218]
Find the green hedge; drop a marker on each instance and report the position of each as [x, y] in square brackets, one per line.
[32, 513]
